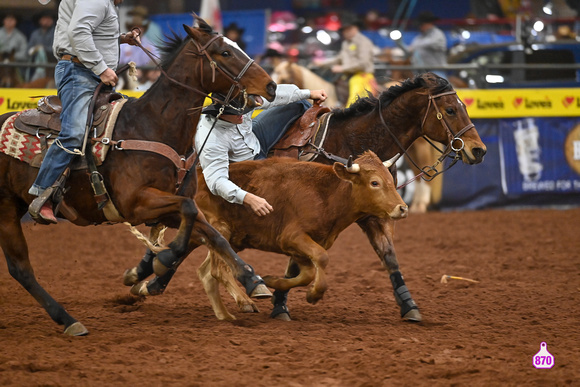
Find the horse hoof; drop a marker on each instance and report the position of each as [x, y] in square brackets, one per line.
[283, 317]
[140, 289]
[76, 329]
[249, 308]
[413, 315]
[158, 268]
[130, 277]
[261, 291]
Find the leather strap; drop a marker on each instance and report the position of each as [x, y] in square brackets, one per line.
[181, 163]
[70, 58]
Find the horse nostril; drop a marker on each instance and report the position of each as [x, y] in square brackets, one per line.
[271, 88]
[478, 153]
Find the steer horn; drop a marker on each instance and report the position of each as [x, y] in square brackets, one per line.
[350, 167]
[391, 161]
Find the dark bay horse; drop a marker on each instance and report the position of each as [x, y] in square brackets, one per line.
[426, 105]
[142, 183]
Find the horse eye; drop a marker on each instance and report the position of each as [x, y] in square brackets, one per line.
[450, 111]
[226, 53]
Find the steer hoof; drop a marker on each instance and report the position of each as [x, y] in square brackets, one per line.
[76, 329]
[261, 291]
[140, 289]
[130, 277]
[413, 315]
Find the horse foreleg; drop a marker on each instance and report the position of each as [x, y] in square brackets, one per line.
[380, 233]
[15, 250]
[145, 268]
[243, 272]
[204, 233]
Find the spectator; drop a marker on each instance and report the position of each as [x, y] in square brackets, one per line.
[355, 62]
[486, 9]
[429, 48]
[234, 33]
[145, 76]
[40, 45]
[12, 41]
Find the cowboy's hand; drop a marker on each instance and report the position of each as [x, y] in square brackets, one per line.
[109, 77]
[259, 205]
[336, 69]
[318, 95]
[132, 37]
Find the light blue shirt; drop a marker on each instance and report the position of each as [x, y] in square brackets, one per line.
[229, 142]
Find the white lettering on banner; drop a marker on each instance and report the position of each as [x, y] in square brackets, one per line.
[563, 185]
[576, 185]
[576, 150]
[547, 185]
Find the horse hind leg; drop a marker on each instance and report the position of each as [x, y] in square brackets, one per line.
[280, 309]
[15, 250]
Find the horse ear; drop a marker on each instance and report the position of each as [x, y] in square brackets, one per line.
[190, 31]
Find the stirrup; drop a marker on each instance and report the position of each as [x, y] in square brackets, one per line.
[37, 204]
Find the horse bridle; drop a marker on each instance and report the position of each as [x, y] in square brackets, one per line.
[213, 64]
[429, 172]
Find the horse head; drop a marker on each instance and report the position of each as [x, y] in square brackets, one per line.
[445, 119]
[212, 53]
[288, 72]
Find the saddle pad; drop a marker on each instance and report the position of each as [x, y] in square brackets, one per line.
[27, 148]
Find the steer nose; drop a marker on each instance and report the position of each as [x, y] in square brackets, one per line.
[478, 153]
[400, 211]
[271, 89]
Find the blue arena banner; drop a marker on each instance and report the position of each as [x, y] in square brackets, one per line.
[539, 155]
[530, 162]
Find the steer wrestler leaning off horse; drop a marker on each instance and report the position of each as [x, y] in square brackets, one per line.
[425, 106]
[148, 144]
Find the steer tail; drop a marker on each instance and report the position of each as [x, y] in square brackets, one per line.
[155, 246]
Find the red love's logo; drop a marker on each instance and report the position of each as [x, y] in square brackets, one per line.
[518, 101]
[468, 101]
[1, 101]
[567, 101]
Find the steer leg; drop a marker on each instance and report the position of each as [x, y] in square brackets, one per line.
[312, 259]
[380, 233]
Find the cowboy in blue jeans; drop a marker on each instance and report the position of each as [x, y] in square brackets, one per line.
[236, 137]
[86, 43]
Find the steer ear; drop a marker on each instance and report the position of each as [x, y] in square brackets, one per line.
[341, 171]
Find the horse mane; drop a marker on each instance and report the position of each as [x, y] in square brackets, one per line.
[434, 83]
[172, 44]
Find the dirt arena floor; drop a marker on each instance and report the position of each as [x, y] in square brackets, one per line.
[473, 334]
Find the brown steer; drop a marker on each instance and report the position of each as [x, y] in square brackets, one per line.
[312, 203]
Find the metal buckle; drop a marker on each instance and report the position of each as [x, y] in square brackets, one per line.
[118, 145]
[106, 141]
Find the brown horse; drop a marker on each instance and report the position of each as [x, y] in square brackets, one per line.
[426, 106]
[142, 183]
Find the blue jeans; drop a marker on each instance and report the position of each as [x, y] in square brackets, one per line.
[76, 85]
[270, 125]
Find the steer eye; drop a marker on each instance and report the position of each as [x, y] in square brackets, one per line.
[450, 111]
[375, 183]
